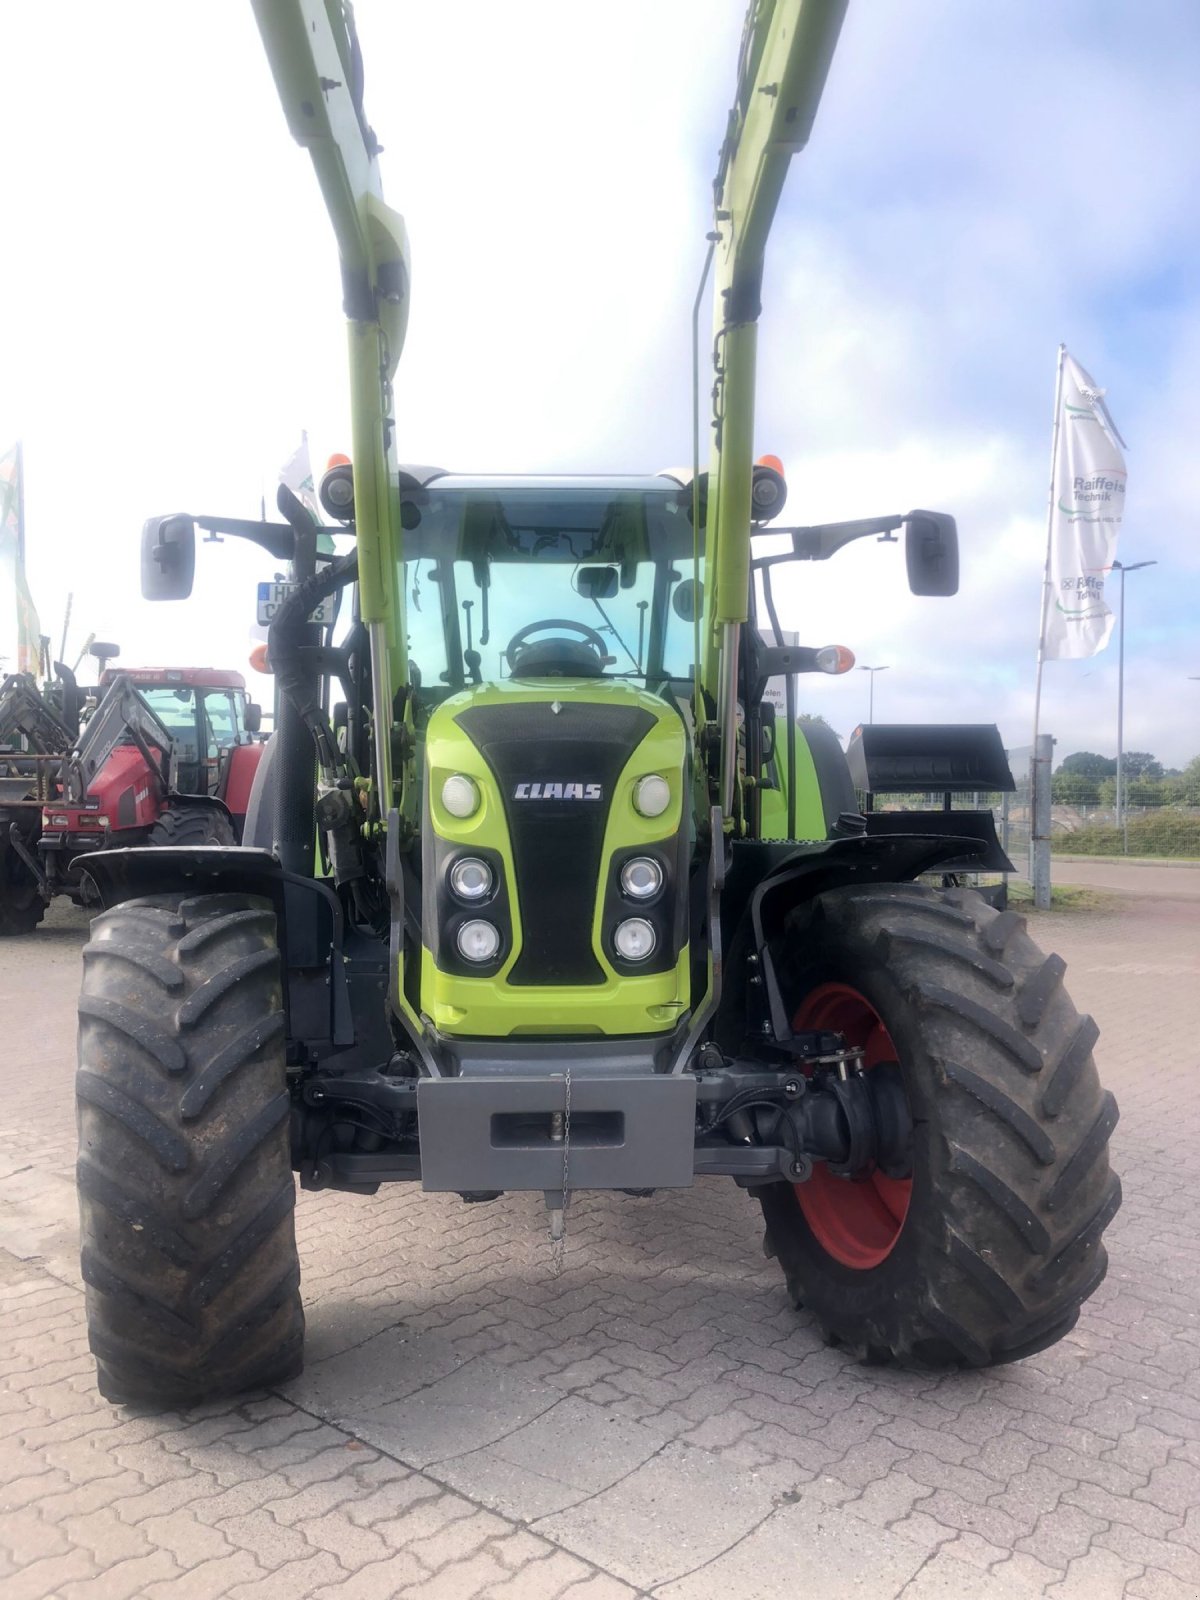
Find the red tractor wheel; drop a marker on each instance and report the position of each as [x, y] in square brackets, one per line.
[981, 1240]
[856, 1220]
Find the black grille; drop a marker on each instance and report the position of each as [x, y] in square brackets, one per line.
[556, 843]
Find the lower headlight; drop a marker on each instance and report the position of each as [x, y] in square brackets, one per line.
[478, 941]
[641, 877]
[471, 879]
[634, 939]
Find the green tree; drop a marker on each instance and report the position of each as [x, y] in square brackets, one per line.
[1185, 789]
[809, 716]
[1087, 764]
[1139, 764]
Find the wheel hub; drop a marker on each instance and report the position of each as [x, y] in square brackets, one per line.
[856, 1206]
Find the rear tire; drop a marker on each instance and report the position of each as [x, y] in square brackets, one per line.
[21, 904]
[186, 1192]
[1011, 1187]
[183, 825]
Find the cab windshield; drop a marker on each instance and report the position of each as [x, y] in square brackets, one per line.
[608, 568]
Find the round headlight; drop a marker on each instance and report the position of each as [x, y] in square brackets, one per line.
[478, 941]
[641, 878]
[471, 879]
[651, 795]
[634, 939]
[460, 795]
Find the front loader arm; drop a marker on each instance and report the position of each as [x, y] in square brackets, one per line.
[786, 51]
[122, 714]
[313, 51]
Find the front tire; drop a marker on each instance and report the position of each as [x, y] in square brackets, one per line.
[182, 825]
[186, 1192]
[994, 1244]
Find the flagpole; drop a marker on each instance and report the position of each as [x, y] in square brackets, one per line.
[1041, 651]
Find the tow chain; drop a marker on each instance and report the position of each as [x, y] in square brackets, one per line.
[558, 1230]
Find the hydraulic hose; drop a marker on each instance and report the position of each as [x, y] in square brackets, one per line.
[286, 638]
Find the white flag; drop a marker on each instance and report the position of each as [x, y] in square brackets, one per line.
[296, 473]
[1089, 501]
[20, 642]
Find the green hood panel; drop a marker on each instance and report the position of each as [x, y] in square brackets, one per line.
[555, 763]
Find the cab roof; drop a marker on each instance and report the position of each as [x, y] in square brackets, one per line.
[177, 677]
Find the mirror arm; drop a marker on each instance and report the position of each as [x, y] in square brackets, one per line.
[826, 539]
[277, 538]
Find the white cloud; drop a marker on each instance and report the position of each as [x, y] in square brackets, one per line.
[981, 183]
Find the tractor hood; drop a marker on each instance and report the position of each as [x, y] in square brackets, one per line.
[543, 782]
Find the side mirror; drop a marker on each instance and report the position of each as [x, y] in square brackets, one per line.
[597, 583]
[931, 552]
[688, 600]
[253, 716]
[168, 557]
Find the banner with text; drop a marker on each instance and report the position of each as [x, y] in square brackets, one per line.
[1088, 503]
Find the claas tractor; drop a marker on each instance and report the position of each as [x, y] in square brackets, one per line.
[509, 912]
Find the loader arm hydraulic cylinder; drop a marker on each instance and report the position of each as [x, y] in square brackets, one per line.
[786, 51]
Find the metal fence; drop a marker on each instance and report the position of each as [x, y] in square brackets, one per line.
[1167, 831]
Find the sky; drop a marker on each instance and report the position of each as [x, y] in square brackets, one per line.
[982, 183]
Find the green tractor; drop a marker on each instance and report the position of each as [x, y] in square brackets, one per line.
[516, 907]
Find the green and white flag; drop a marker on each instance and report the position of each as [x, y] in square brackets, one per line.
[297, 474]
[20, 641]
[1088, 504]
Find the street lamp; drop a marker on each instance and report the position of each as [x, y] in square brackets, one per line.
[872, 671]
[1123, 568]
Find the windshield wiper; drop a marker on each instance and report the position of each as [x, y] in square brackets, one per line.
[637, 664]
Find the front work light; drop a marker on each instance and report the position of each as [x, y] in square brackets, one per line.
[336, 489]
[478, 941]
[460, 795]
[634, 939]
[768, 489]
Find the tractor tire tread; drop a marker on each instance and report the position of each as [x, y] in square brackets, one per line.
[1012, 1193]
[183, 825]
[187, 1196]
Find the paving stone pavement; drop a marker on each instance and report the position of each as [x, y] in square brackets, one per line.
[656, 1421]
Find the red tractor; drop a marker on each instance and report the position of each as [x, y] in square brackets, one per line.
[168, 757]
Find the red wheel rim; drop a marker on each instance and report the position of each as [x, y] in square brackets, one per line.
[855, 1220]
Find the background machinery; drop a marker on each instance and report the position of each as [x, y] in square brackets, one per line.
[507, 913]
[153, 756]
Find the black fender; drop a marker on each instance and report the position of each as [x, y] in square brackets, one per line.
[129, 874]
[311, 927]
[767, 879]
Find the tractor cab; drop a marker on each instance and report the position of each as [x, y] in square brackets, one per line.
[206, 712]
[544, 579]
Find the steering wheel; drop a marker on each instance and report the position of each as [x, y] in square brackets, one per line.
[585, 657]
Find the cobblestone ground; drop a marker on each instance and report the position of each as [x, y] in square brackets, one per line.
[657, 1421]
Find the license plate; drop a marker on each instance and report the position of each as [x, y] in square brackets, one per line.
[272, 595]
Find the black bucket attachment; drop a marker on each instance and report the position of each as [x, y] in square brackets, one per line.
[928, 757]
[934, 758]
